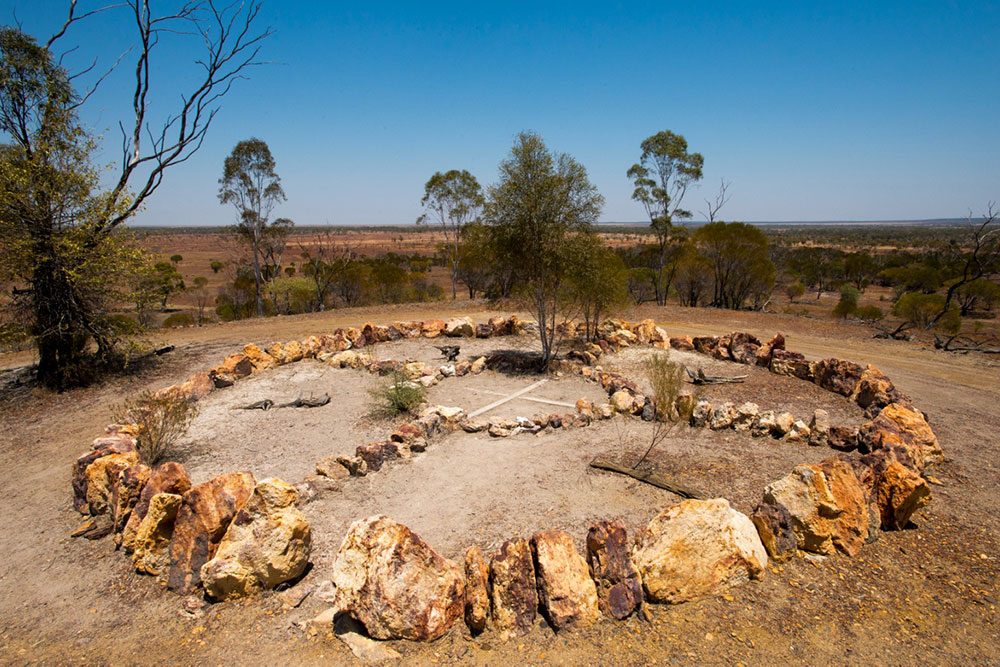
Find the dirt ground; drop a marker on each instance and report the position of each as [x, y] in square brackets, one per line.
[926, 595]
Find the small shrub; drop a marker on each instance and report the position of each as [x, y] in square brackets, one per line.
[178, 320]
[869, 314]
[666, 378]
[397, 396]
[162, 420]
[848, 304]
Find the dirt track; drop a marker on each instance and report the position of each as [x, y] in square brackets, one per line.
[926, 595]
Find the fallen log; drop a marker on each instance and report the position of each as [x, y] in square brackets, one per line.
[310, 402]
[701, 378]
[648, 477]
[267, 403]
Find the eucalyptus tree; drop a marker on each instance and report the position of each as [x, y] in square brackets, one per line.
[662, 176]
[250, 183]
[540, 203]
[453, 199]
[62, 243]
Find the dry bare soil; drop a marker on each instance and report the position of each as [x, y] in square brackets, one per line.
[925, 595]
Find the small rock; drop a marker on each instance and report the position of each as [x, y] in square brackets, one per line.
[819, 428]
[332, 468]
[799, 432]
[477, 596]
[722, 417]
[783, 424]
[364, 648]
[295, 595]
[746, 416]
[701, 414]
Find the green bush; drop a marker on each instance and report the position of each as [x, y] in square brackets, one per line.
[869, 313]
[848, 303]
[178, 320]
[398, 395]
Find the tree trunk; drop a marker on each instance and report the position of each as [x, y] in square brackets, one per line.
[257, 276]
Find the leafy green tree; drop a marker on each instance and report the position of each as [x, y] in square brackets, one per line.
[664, 172]
[168, 281]
[977, 294]
[249, 182]
[859, 269]
[453, 199]
[541, 201]
[741, 268]
[919, 310]
[60, 238]
[176, 259]
[216, 266]
[694, 277]
[477, 266]
[596, 284]
[848, 303]
[795, 291]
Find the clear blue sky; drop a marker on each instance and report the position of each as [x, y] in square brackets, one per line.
[813, 111]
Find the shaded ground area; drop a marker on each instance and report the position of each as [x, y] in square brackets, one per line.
[925, 595]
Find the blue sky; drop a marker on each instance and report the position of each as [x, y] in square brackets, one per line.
[813, 111]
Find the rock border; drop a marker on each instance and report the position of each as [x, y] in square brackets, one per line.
[227, 535]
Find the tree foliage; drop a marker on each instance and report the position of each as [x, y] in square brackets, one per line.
[59, 228]
[454, 200]
[662, 176]
[540, 202]
[250, 183]
[741, 268]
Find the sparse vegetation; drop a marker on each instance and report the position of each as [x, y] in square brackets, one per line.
[666, 378]
[397, 395]
[162, 418]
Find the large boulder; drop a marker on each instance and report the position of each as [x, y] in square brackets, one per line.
[567, 595]
[125, 494]
[115, 443]
[432, 328]
[392, 582]
[874, 391]
[765, 351]
[697, 548]
[102, 476]
[233, 367]
[477, 593]
[151, 542]
[619, 589]
[259, 359]
[168, 477]
[825, 504]
[514, 593]
[267, 543]
[202, 520]
[897, 424]
[895, 491]
[459, 326]
[838, 375]
[743, 347]
[785, 362]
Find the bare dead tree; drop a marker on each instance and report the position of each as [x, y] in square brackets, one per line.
[326, 261]
[721, 198]
[232, 45]
[983, 261]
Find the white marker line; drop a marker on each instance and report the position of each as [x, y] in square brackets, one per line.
[528, 398]
[507, 398]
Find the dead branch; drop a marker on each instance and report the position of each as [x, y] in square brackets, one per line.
[953, 344]
[700, 378]
[647, 477]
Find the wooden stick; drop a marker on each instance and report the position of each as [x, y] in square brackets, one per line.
[648, 478]
[495, 404]
[529, 398]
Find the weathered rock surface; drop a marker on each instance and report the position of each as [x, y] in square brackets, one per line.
[477, 594]
[826, 504]
[102, 476]
[838, 375]
[514, 594]
[819, 428]
[168, 477]
[799, 432]
[332, 468]
[784, 362]
[204, 515]
[259, 359]
[722, 416]
[459, 326]
[701, 413]
[746, 416]
[567, 595]
[774, 525]
[743, 347]
[267, 543]
[900, 492]
[766, 424]
[783, 424]
[125, 494]
[392, 582]
[619, 588]
[151, 543]
[697, 548]
[899, 425]
[104, 446]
